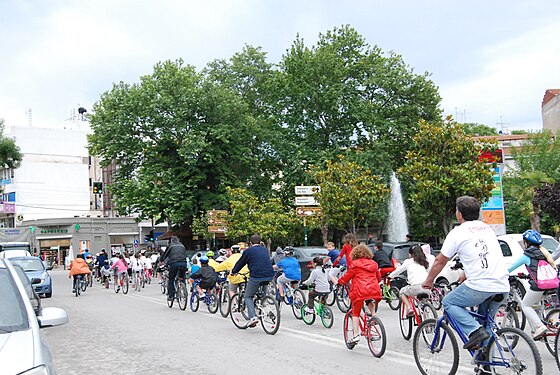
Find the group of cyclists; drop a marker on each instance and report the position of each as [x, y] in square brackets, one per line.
[484, 282]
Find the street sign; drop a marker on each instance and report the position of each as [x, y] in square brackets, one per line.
[216, 229]
[136, 243]
[308, 211]
[307, 190]
[216, 221]
[217, 213]
[306, 201]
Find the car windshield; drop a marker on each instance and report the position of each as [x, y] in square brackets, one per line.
[550, 244]
[13, 315]
[29, 265]
[400, 253]
[313, 252]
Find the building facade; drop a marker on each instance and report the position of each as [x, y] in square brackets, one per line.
[551, 110]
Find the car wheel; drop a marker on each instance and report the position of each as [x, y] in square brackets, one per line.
[48, 295]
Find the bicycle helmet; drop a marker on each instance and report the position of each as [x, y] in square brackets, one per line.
[288, 251]
[533, 237]
[203, 259]
[235, 248]
[209, 253]
[222, 252]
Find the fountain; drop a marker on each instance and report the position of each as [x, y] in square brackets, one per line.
[397, 225]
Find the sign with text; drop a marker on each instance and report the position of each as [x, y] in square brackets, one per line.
[493, 210]
[307, 190]
[216, 229]
[306, 201]
[308, 211]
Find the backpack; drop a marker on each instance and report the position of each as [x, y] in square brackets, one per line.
[547, 276]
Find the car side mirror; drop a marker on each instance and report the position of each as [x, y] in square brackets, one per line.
[35, 280]
[52, 316]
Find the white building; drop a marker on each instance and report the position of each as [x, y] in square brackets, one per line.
[53, 180]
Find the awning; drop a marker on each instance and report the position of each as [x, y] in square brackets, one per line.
[124, 234]
[53, 237]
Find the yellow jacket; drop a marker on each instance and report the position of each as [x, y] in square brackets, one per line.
[228, 265]
[212, 263]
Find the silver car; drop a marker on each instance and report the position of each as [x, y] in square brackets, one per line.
[23, 349]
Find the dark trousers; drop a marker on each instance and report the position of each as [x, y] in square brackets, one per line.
[311, 298]
[173, 270]
[250, 291]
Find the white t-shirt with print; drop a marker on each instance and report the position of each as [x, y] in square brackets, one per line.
[481, 255]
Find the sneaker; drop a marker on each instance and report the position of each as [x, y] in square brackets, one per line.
[476, 338]
[539, 332]
[309, 310]
[118, 288]
[354, 340]
[252, 322]
[410, 312]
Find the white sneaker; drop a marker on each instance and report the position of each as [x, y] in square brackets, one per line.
[308, 310]
[355, 340]
[539, 332]
[252, 322]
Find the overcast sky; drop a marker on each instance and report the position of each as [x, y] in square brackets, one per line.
[492, 60]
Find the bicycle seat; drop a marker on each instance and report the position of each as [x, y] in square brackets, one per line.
[422, 296]
[294, 283]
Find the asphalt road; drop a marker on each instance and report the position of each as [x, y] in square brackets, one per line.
[111, 333]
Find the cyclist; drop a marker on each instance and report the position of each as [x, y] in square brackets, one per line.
[175, 257]
[90, 263]
[206, 275]
[122, 267]
[365, 276]
[530, 258]
[78, 267]
[211, 262]
[382, 259]
[292, 271]
[485, 271]
[416, 267]
[137, 267]
[222, 256]
[278, 256]
[257, 259]
[321, 280]
[100, 261]
[350, 242]
[228, 264]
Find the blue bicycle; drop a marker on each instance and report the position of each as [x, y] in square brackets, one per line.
[509, 350]
[209, 299]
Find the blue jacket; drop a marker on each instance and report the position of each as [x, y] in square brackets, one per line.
[291, 268]
[257, 258]
[333, 254]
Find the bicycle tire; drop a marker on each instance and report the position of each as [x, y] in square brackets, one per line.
[212, 302]
[224, 302]
[343, 299]
[376, 337]
[557, 350]
[298, 301]
[269, 314]
[506, 317]
[106, 282]
[524, 349]
[90, 281]
[236, 312]
[308, 318]
[552, 320]
[163, 285]
[327, 317]
[84, 283]
[182, 295]
[137, 283]
[194, 301]
[435, 361]
[331, 298]
[428, 311]
[348, 330]
[395, 301]
[116, 284]
[76, 287]
[125, 284]
[436, 298]
[405, 323]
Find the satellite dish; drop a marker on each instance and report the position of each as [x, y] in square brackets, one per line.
[82, 110]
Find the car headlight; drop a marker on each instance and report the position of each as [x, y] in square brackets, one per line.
[44, 277]
[40, 370]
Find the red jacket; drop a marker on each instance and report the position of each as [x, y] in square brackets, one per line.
[365, 277]
[345, 252]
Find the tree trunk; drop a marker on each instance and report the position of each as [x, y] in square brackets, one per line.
[325, 233]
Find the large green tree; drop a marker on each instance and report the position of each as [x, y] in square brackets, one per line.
[442, 165]
[10, 154]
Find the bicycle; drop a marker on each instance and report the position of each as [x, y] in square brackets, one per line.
[320, 309]
[222, 293]
[371, 327]
[557, 350]
[293, 296]
[436, 350]
[390, 294]
[421, 308]
[209, 298]
[266, 308]
[78, 284]
[181, 292]
[121, 282]
[138, 280]
[164, 280]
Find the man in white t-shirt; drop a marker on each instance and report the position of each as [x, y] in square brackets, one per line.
[484, 268]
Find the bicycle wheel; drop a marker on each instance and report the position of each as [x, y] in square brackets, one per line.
[308, 318]
[376, 337]
[343, 298]
[182, 295]
[436, 297]
[76, 287]
[331, 298]
[195, 301]
[327, 317]
[435, 350]
[237, 311]
[395, 301]
[428, 312]
[521, 357]
[83, 283]
[405, 322]
[269, 314]
[552, 320]
[137, 282]
[116, 284]
[212, 302]
[163, 285]
[125, 284]
[348, 330]
[557, 350]
[298, 302]
[90, 281]
[224, 302]
[506, 317]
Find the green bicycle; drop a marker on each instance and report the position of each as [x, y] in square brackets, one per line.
[320, 309]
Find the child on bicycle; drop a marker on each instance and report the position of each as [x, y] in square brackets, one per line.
[78, 267]
[321, 280]
[416, 267]
[291, 268]
[122, 267]
[365, 276]
[206, 275]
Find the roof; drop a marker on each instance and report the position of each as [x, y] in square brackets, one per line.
[549, 95]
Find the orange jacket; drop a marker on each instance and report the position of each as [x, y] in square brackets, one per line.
[78, 267]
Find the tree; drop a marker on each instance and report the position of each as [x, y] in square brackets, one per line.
[471, 128]
[10, 154]
[349, 195]
[443, 165]
[548, 199]
[178, 140]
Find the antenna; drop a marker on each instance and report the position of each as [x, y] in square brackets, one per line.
[29, 116]
[501, 124]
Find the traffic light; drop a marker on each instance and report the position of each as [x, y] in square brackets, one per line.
[98, 188]
[149, 237]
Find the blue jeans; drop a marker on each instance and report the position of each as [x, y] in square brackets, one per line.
[250, 291]
[173, 270]
[463, 296]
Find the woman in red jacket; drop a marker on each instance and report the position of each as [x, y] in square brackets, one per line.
[349, 243]
[365, 277]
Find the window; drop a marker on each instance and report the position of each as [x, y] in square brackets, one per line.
[505, 249]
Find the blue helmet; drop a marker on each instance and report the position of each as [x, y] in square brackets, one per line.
[203, 259]
[532, 236]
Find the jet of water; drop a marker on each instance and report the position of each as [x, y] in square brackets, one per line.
[397, 222]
